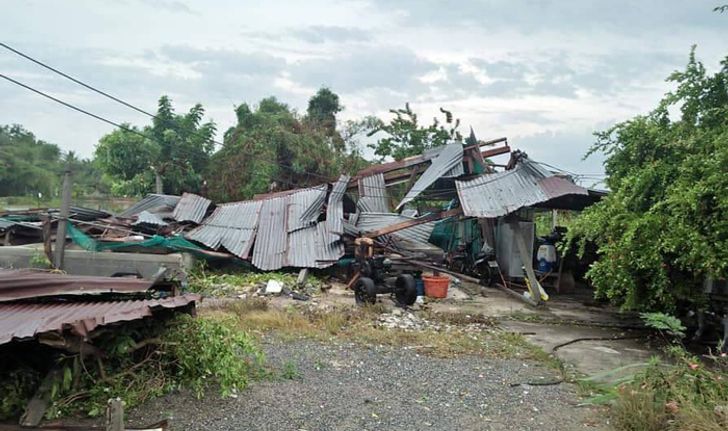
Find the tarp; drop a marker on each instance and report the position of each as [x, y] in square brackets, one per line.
[172, 243]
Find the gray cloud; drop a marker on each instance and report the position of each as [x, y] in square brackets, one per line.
[169, 6]
[390, 67]
[626, 16]
[330, 33]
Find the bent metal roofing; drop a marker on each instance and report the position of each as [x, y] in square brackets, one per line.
[22, 321]
[501, 193]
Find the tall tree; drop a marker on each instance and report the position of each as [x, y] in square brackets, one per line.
[176, 146]
[663, 228]
[271, 148]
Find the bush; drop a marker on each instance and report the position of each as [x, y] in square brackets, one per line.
[149, 360]
[686, 395]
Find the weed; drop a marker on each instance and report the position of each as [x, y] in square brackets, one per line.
[682, 395]
[290, 371]
[235, 282]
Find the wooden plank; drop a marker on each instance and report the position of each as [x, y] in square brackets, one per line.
[535, 287]
[409, 223]
[37, 406]
[419, 159]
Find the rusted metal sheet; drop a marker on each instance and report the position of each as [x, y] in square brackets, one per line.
[154, 203]
[501, 193]
[271, 242]
[27, 283]
[22, 321]
[373, 194]
[191, 208]
[335, 206]
[447, 163]
[304, 207]
[232, 226]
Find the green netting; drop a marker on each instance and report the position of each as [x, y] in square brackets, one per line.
[173, 243]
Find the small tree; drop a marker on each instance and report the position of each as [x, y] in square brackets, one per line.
[406, 137]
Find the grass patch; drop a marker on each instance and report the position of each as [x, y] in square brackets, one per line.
[359, 325]
[684, 394]
[234, 282]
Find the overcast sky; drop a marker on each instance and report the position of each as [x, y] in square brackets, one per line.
[546, 74]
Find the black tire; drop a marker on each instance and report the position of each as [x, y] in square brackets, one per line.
[365, 291]
[405, 290]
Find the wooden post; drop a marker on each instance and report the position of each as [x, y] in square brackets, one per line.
[157, 182]
[62, 222]
[554, 219]
[115, 415]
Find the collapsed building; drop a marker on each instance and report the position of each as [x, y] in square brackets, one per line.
[446, 208]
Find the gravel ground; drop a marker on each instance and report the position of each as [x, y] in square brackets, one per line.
[347, 387]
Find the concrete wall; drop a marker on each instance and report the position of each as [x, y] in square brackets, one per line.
[82, 262]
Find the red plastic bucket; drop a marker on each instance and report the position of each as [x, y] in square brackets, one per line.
[436, 286]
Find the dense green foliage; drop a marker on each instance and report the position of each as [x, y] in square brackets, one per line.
[177, 147]
[663, 228]
[406, 137]
[29, 166]
[273, 148]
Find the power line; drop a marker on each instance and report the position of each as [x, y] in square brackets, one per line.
[96, 90]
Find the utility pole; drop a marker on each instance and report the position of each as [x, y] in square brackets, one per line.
[62, 222]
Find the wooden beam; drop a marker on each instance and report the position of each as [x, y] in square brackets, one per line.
[419, 159]
[414, 222]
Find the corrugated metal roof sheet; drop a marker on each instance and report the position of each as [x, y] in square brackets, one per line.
[335, 206]
[154, 203]
[304, 207]
[269, 252]
[373, 194]
[191, 208]
[19, 321]
[21, 284]
[313, 247]
[231, 226]
[147, 218]
[448, 163]
[368, 222]
[501, 193]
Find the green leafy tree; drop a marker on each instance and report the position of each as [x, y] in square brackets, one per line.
[406, 137]
[27, 165]
[176, 146]
[663, 228]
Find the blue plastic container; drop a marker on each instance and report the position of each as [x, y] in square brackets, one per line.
[420, 285]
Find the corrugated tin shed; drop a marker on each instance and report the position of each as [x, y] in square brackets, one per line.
[271, 242]
[28, 283]
[501, 193]
[304, 207]
[154, 203]
[448, 163]
[335, 206]
[231, 226]
[149, 219]
[367, 222]
[22, 321]
[191, 208]
[373, 194]
[313, 247]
